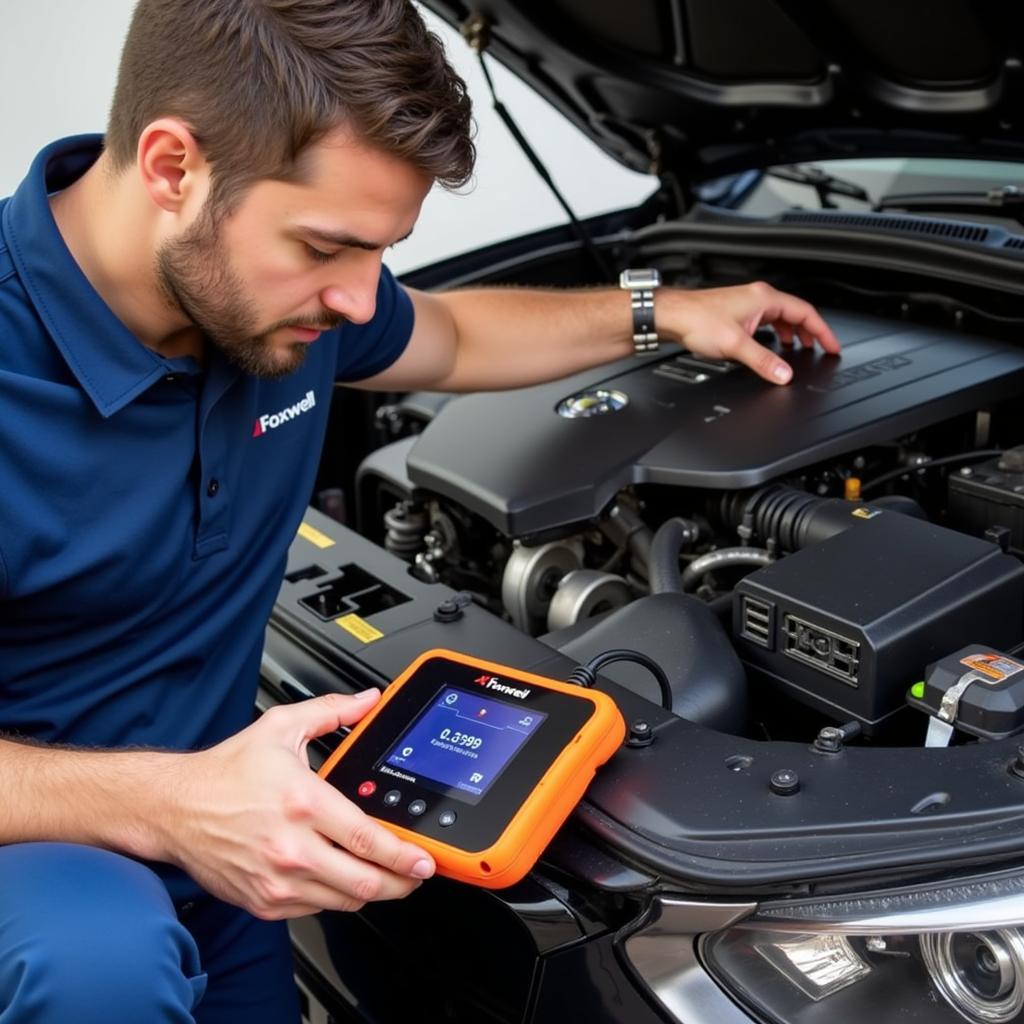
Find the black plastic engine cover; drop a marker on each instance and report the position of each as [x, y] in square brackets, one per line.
[512, 459]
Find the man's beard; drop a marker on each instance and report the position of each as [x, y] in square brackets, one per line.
[195, 275]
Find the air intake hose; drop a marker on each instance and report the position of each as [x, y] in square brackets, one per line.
[793, 519]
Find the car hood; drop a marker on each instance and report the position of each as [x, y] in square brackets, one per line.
[702, 88]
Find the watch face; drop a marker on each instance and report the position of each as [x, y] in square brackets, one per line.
[646, 277]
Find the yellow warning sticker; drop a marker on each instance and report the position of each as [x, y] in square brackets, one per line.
[996, 666]
[866, 513]
[359, 628]
[314, 536]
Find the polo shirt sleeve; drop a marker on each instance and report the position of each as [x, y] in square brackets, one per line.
[366, 349]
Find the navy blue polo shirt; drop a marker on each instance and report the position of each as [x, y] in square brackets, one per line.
[146, 504]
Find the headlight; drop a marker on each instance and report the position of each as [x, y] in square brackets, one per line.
[937, 954]
[979, 973]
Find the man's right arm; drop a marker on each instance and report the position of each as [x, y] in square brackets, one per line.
[247, 819]
[76, 795]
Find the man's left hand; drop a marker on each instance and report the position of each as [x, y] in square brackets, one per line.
[720, 323]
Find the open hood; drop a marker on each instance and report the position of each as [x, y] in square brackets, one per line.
[701, 88]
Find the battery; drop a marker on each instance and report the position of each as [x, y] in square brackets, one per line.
[978, 690]
[990, 494]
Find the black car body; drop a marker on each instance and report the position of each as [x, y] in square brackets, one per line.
[810, 830]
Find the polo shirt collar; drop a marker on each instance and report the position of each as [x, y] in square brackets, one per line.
[111, 364]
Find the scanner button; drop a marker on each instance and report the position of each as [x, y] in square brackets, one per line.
[417, 807]
[392, 797]
[446, 818]
[367, 788]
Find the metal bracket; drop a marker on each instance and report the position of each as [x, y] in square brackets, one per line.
[476, 30]
[951, 698]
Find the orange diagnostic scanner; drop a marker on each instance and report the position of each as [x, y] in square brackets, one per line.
[475, 762]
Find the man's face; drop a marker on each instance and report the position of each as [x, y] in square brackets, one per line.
[293, 259]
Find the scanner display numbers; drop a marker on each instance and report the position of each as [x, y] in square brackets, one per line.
[462, 741]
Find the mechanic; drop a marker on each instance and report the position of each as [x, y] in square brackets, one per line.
[176, 305]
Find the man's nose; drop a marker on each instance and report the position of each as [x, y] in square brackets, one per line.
[355, 296]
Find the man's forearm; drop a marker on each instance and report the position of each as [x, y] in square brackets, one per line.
[112, 799]
[513, 337]
[549, 333]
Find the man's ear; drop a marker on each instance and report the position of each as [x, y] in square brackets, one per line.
[172, 168]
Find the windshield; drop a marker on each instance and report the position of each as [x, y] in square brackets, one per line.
[773, 193]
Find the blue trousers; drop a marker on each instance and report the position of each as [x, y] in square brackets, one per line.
[90, 937]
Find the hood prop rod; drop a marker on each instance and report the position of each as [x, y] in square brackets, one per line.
[476, 32]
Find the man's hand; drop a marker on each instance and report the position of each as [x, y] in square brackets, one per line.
[254, 826]
[720, 322]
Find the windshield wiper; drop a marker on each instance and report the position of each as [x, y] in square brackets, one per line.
[824, 184]
[1006, 199]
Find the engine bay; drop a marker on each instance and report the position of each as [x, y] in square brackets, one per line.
[825, 543]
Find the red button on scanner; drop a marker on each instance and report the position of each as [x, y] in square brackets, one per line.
[367, 788]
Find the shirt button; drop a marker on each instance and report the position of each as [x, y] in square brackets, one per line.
[213, 487]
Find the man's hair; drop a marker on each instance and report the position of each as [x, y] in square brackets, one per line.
[259, 81]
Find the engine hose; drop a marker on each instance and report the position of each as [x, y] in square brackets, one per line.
[721, 559]
[663, 559]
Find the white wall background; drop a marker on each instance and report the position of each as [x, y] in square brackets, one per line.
[58, 63]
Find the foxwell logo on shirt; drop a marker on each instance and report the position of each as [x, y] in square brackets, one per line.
[273, 420]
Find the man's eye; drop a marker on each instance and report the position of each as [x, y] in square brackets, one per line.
[319, 255]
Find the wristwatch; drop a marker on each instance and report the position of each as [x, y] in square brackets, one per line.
[641, 284]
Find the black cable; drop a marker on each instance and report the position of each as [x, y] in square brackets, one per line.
[984, 453]
[586, 675]
[580, 231]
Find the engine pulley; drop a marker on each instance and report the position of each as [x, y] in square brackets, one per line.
[584, 593]
[531, 578]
